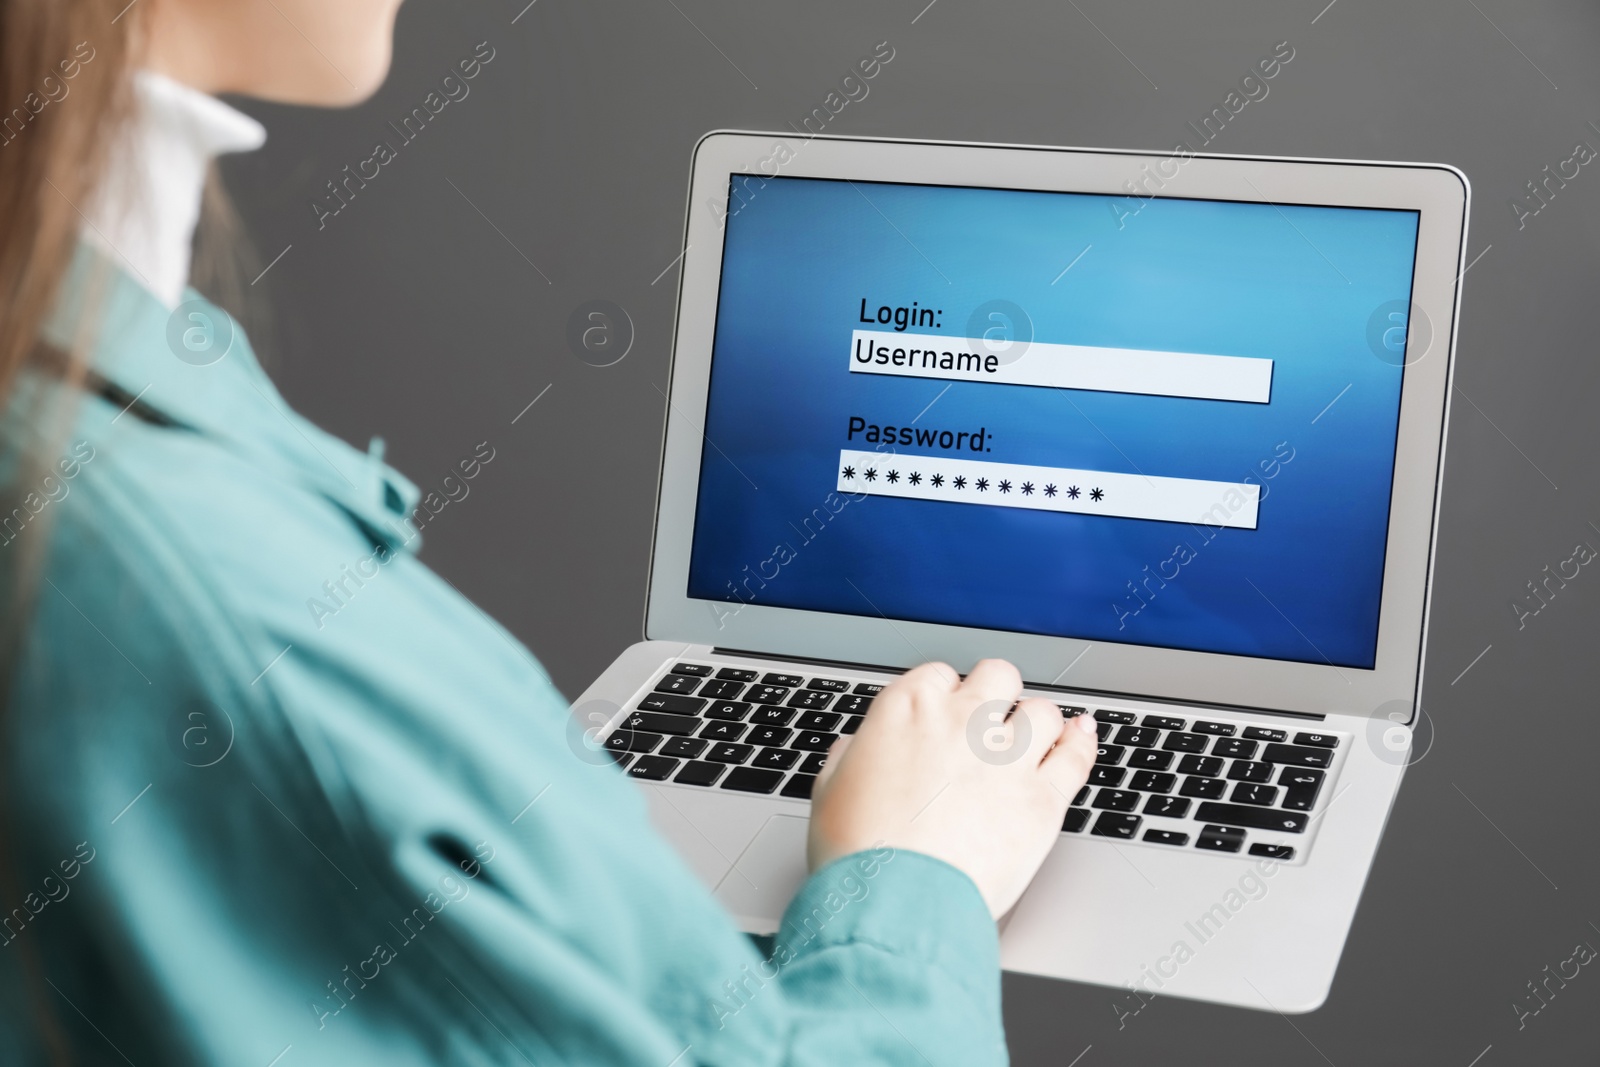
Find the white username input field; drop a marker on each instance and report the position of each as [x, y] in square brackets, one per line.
[1197, 375]
[1062, 489]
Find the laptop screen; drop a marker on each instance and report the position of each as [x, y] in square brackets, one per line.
[1149, 420]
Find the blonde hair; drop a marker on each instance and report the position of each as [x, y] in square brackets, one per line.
[64, 91]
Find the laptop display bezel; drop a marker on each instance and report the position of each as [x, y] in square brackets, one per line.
[1439, 193]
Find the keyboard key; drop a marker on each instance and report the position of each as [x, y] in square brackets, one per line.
[867, 689]
[738, 674]
[1166, 837]
[852, 724]
[818, 720]
[1103, 730]
[723, 731]
[1149, 759]
[653, 768]
[832, 685]
[731, 754]
[1299, 800]
[699, 669]
[767, 715]
[1317, 740]
[1122, 718]
[1272, 852]
[622, 758]
[1071, 711]
[729, 710]
[678, 683]
[1259, 818]
[1138, 736]
[1076, 820]
[810, 699]
[790, 680]
[1220, 839]
[1262, 796]
[1204, 766]
[1106, 775]
[1171, 807]
[799, 786]
[1301, 787]
[699, 772]
[766, 694]
[753, 780]
[1302, 778]
[1178, 742]
[657, 723]
[1220, 729]
[1115, 800]
[685, 747]
[769, 735]
[1151, 782]
[782, 759]
[1110, 754]
[1244, 770]
[632, 741]
[813, 762]
[852, 705]
[1262, 733]
[1162, 722]
[675, 704]
[1232, 748]
[1298, 756]
[722, 689]
[811, 741]
[1082, 798]
[1203, 788]
[1115, 824]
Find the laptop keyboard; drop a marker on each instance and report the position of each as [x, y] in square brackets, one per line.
[1214, 783]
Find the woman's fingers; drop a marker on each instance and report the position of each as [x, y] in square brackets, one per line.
[1069, 763]
[1043, 729]
[931, 679]
[831, 762]
[992, 679]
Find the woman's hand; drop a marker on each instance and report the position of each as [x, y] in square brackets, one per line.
[939, 768]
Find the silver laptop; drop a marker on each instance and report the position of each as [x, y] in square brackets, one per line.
[1163, 430]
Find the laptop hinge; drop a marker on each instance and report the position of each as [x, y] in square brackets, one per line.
[1047, 686]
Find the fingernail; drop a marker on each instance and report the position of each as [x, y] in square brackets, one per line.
[1085, 722]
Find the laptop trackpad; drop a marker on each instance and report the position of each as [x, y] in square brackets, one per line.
[767, 874]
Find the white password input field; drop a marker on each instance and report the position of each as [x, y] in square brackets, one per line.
[1064, 489]
[1198, 375]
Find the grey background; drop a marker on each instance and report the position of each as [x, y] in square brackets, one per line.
[418, 313]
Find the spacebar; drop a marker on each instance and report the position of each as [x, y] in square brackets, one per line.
[1256, 818]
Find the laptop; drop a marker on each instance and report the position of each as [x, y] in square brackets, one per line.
[1164, 430]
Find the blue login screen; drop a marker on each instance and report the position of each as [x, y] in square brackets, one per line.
[1147, 420]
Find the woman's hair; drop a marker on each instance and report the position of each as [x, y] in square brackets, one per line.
[64, 98]
[64, 90]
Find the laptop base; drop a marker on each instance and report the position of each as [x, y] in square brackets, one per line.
[1227, 927]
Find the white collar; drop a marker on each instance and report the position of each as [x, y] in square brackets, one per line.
[145, 213]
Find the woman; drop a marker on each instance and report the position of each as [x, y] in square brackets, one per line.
[239, 832]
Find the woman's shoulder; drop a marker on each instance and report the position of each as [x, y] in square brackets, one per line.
[178, 578]
[145, 550]
[232, 553]
[170, 514]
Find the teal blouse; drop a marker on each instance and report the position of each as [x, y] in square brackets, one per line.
[247, 830]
